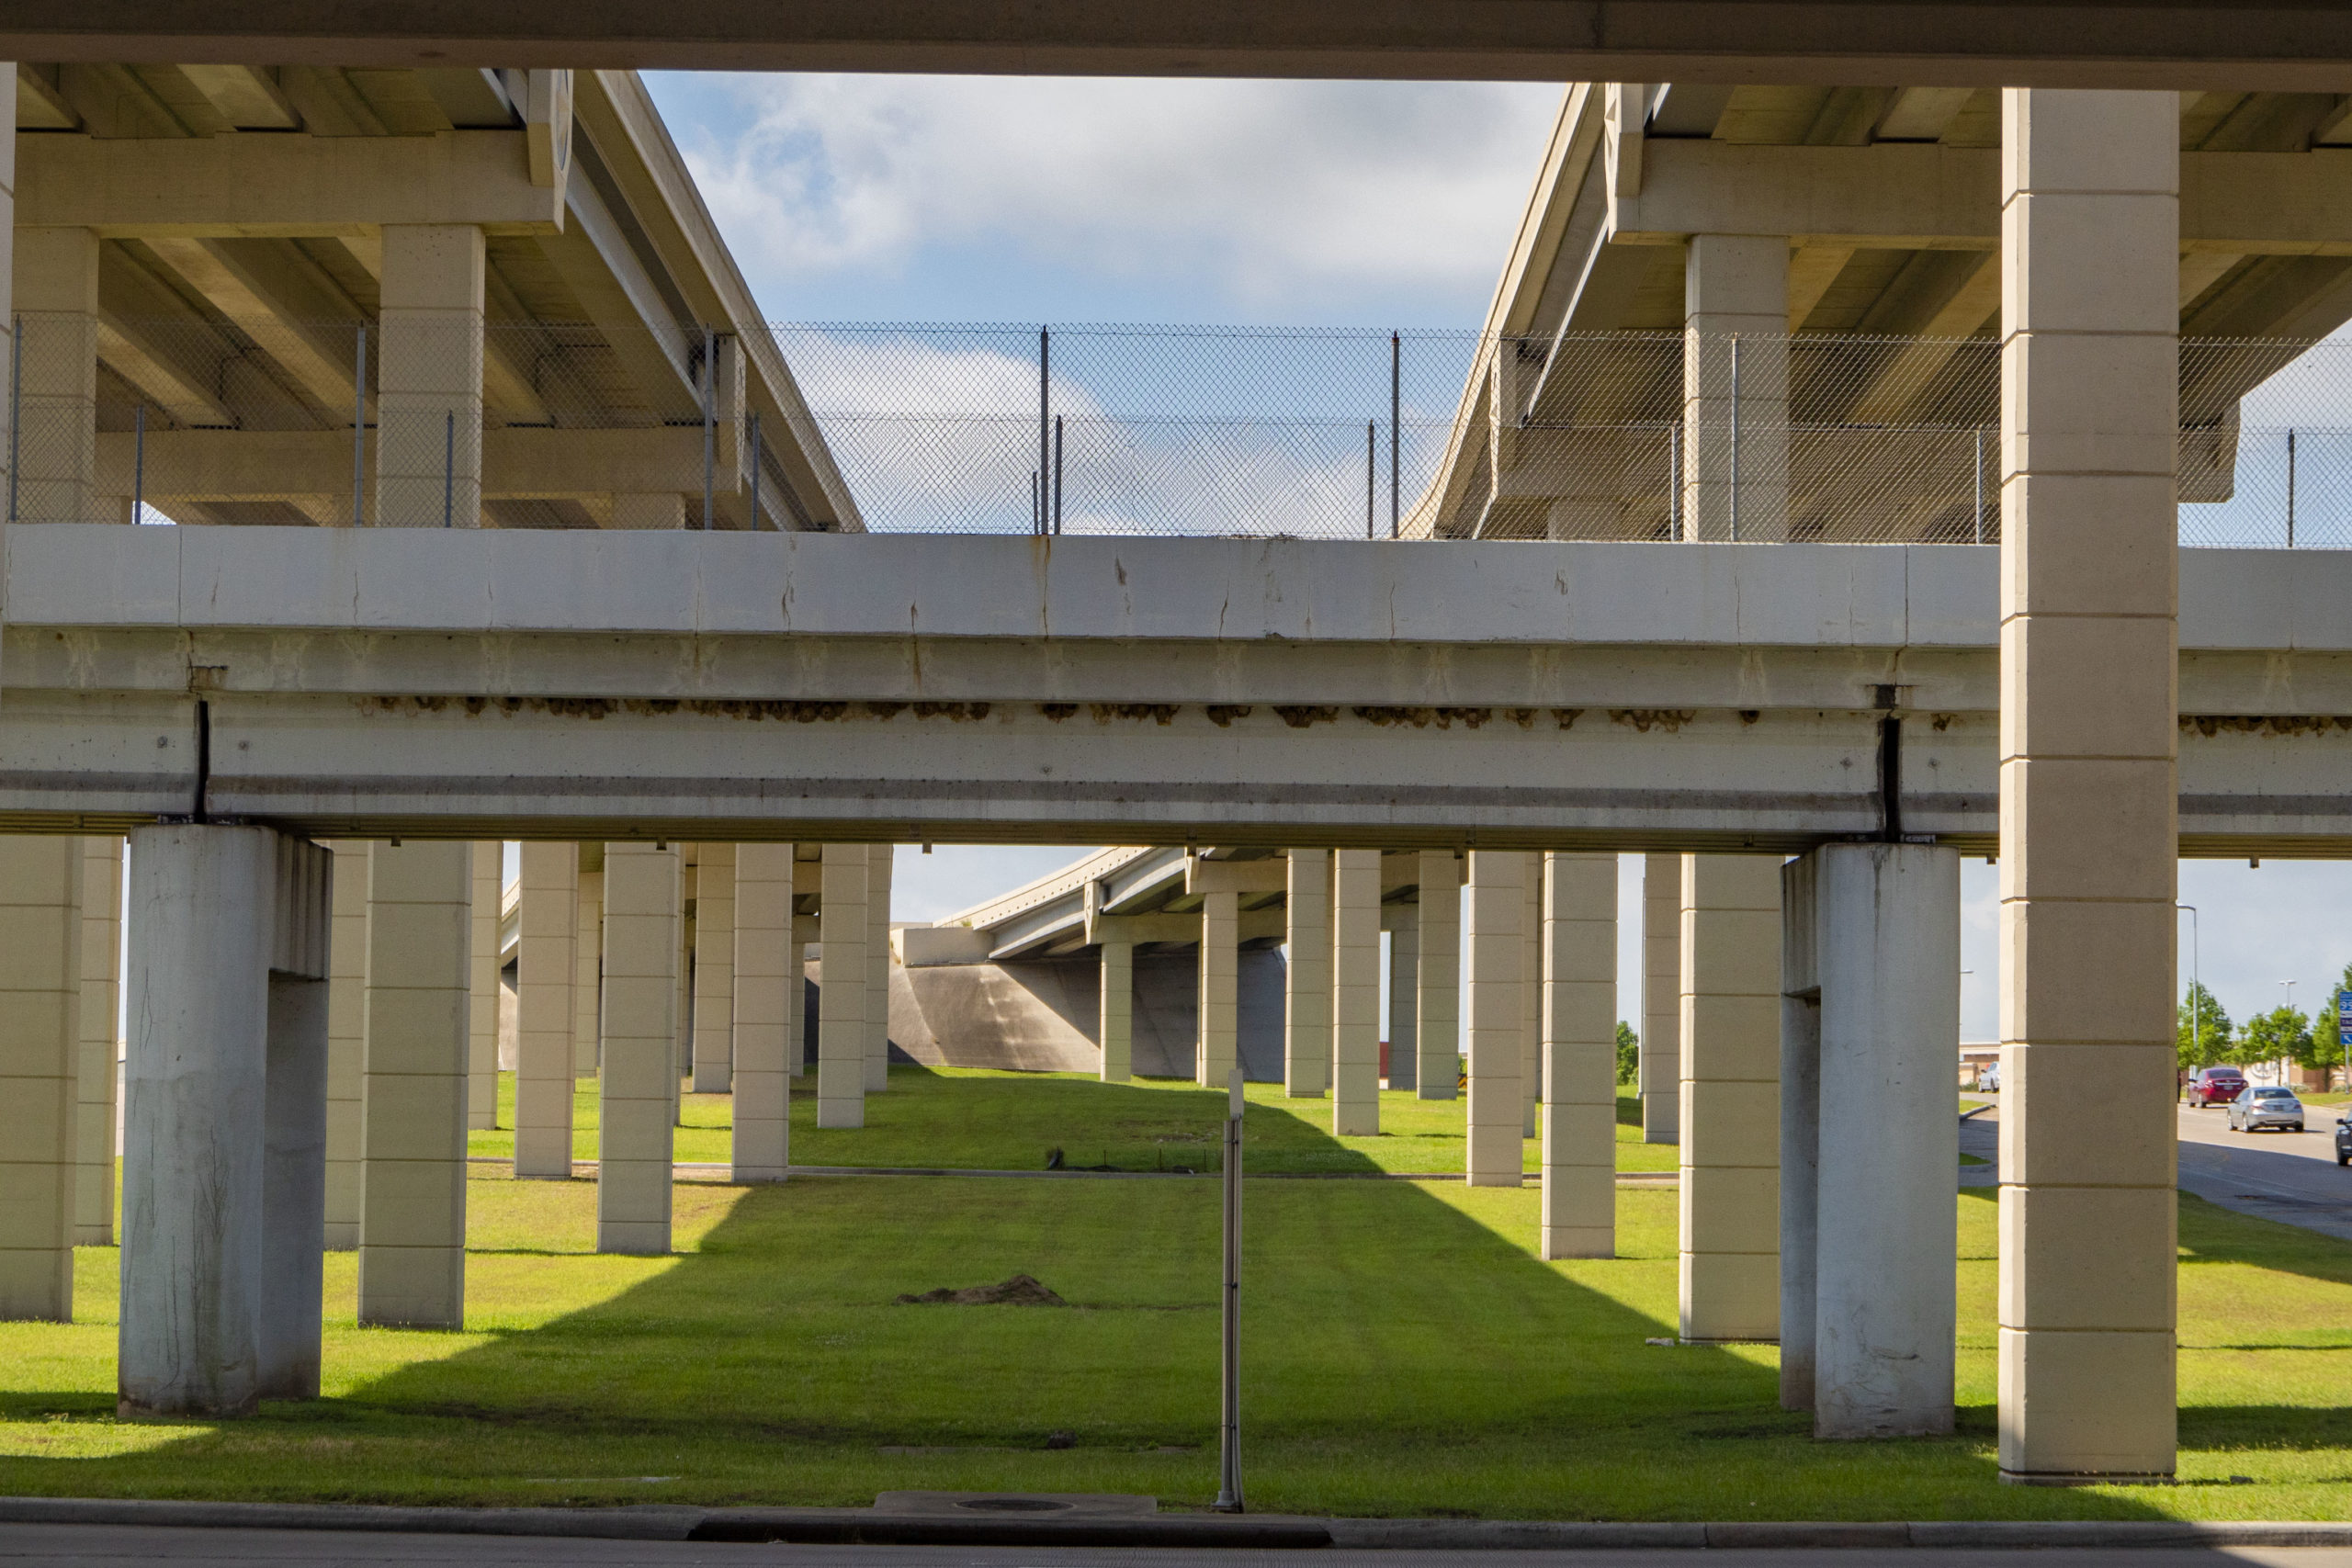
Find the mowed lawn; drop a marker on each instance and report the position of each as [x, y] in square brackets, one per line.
[1405, 1354]
[975, 1119]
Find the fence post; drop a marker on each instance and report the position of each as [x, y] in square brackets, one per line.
[449, 469]
[359, 431]
[1674, 480]
[1396, 399]
[1044, 404]
[139, 463]
[1735, 437]
[1057, 474]
[16, 407]
[1370, 468]
[755, 471]
[709, 416]
[1980, 485]
[2291, 487]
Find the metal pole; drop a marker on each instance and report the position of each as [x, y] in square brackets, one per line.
[1980, 484]
[139, 463]
[15, 406]
[1045, 407]
[1371, 470]
[359, 431]
[1228, 1490]
[1734, 436]
[1057, 474]
[1674, 480]
[755, 470]
[2196, 991]
[2291, 488]
[450, 470]
[1396, 401]
[709, 417]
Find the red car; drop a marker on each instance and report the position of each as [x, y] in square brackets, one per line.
[2215, 1086]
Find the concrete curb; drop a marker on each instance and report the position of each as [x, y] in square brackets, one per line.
[844, 1526]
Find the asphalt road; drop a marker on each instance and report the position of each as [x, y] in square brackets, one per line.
[107, 1546]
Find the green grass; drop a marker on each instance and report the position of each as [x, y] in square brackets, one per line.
[1406, 1354]
[967, 1119]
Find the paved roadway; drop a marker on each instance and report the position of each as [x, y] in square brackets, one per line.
[2288, 1177]
[111, 1546]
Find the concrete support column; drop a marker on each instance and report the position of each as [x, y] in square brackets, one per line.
[1355, 993]
[1307, 991]
[1531, 998]
[2090, 422]
[588, 961]
[1800, 1128]
[1735, 388]
[413, 1111]
[428, 377]
[1497, 905]
[347, 1039]
[489, 868]
[841, 999]
[681, 1006]
[94, 1068]
[294, 1186]
[192, 1221]
[57, 314]
[761, 1145]
[1437, 1011]
[41, 1035]
[1219, 1044]
[636, 1091]
[878, 860]
[1731, 1110]
[547, 968]
[1404, 925]
[1886, 950]
[1579, 998]
[714, 968]
[1118, 1011]
[1660, 1081]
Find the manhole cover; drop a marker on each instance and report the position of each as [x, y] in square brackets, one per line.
[1014, 1505]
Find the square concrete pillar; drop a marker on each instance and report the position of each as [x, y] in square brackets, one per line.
[714, 968]
[1580, 1002]
[588, 961]
[413, 1110]
[636, 1091]
[97, 1058]
[1355, 993]
[1731, 1098]
[879, 859]
[1117, 1031]
[41, 1037]
[347, 1039]
[547, 968]
[294, 1167]
[428, 377]
[2090, 232]
[761, 1144]
[840, 997]
[1218, 1047]
[1735, 388]
[57, 317]
[1800, 1129]
[1497, 906]
[1306, 988]
[483, 986]
[1437, 1011]
[1886, 952]
[1660, 1058]
[682, 1008]
[1531, 998]
[1403, 923]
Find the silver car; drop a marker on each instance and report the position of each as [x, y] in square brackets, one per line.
[2258, 1107]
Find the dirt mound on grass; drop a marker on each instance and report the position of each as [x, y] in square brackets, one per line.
[1019, 1291]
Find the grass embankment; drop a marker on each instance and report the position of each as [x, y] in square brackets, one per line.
[1406, 1354]
[971, 1120]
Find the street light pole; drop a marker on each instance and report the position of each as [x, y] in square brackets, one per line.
[2196, 991]
[1228, 1492]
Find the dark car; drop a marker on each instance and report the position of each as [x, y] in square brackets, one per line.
[2343, 1141]
[2215, 1086]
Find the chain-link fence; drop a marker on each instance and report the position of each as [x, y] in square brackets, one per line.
[1108, 430]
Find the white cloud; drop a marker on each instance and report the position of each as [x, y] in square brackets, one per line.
[1266, 191]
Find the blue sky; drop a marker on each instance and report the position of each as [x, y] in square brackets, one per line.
[1259, 203]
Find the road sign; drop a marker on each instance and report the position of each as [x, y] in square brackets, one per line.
[2344, 1017]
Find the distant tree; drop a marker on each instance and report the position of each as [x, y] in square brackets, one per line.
[2205, 1032]
[2283, 1033]
[1629, 1053]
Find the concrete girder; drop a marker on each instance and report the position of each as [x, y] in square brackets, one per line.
[519, 462]
[2296, 44]
[593, 254]
[284, 302]
[278, 186]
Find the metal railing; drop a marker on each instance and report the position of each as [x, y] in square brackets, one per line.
[1117, 429]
